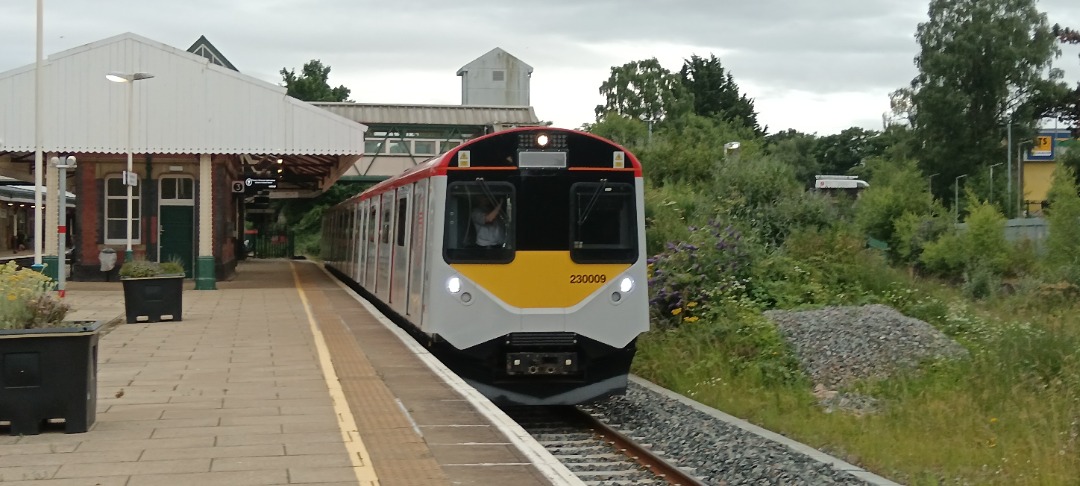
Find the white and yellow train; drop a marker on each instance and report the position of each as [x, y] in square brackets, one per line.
[549, 313]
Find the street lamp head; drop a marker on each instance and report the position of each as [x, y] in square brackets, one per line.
[732, 145]
[118, 77]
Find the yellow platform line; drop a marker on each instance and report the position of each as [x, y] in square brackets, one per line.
[358, 454]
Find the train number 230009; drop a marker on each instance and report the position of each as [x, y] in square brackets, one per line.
[588, 278]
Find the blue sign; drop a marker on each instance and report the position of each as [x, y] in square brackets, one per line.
[1046, 145]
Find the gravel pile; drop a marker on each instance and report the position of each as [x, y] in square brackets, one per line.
[838, 346]
[713, 449]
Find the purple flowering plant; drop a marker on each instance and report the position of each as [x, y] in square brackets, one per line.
[689, 278]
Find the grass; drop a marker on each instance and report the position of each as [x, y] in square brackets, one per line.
[1009, 415]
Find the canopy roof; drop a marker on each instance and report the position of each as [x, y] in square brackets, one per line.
[189, 106]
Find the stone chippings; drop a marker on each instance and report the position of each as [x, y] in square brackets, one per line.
[839, 346]
[715, 451]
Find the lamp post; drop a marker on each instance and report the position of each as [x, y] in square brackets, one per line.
[731, 147]
[649, 121]
[956, 198]
[1008, 169]
[992, 181]
[62, 165]
[129, 177]
[1019, 175]
[39, 168]
[931, 184]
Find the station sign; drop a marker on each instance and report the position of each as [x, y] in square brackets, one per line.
[258, 184]
[1047, 144]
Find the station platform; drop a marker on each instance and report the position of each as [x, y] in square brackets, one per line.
[281, 376]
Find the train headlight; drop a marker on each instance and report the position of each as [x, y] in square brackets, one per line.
[542, 140]
[453, 285]
[626, 284]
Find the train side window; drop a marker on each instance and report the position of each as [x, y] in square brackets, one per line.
[603, 223]
[372, 217]
[385, 216]
[460, 243]
[401, 214]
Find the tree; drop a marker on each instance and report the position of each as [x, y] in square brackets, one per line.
[981, 65]
[1070, 104]
[841, 152]
[797, 149]
[311, 84]
[642, 90]
[1063, 239]
[715, 94]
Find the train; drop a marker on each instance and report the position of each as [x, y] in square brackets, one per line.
[517, 258]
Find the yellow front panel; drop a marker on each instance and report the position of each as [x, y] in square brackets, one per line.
[541, 279]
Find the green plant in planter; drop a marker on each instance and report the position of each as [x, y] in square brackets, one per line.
[145, 268]
[26, 299]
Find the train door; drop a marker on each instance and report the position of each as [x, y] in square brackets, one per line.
[361, 241]
[386, 220]
[417, 247]
[354, 240]
[371, 252]
[346, 239]
[400, 274]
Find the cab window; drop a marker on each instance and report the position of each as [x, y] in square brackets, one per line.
[603, 223]
[480, 222]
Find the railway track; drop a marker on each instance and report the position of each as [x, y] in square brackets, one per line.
[595, 451]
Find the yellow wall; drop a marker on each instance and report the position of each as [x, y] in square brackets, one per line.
[1037, 176]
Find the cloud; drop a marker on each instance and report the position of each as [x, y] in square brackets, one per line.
[815, 66]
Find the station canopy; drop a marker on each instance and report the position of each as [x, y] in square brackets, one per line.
[189, 106]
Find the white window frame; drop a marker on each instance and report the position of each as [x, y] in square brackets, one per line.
[175, 201]
[136, 197]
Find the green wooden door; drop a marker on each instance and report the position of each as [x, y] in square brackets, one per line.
[177, 236]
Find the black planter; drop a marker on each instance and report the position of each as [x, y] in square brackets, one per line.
[153, 299]
[49, 374]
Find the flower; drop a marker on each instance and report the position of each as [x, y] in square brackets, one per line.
[676, 311]
[30, 303]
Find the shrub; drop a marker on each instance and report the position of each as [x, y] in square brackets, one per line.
[1063, 240]
[895, 189]
[688, 278]
[26, 300]
[146, 268]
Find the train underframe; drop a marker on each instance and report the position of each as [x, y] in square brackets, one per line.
[543, 368]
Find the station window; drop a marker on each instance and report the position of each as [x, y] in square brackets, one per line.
[498, 75]
[177, 188]
[449, 144]
[424, 147]
[603, 223]
[399, 147]
[116, 211]
[373, 146]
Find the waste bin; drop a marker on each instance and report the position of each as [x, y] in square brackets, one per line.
[107, 257]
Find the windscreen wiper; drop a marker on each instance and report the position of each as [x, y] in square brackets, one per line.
[490, 195]
[592, 202]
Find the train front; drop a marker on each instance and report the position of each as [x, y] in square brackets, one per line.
[540, 291]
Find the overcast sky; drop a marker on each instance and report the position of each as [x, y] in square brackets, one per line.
[814, 66]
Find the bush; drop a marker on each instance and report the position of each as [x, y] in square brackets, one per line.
[895, 189]
[26, 300]
[689, 278]
[1063, 240]
[146, 268]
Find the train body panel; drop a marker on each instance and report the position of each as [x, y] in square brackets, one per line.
[549, 312]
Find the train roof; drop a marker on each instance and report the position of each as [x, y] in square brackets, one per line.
[439, 164]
